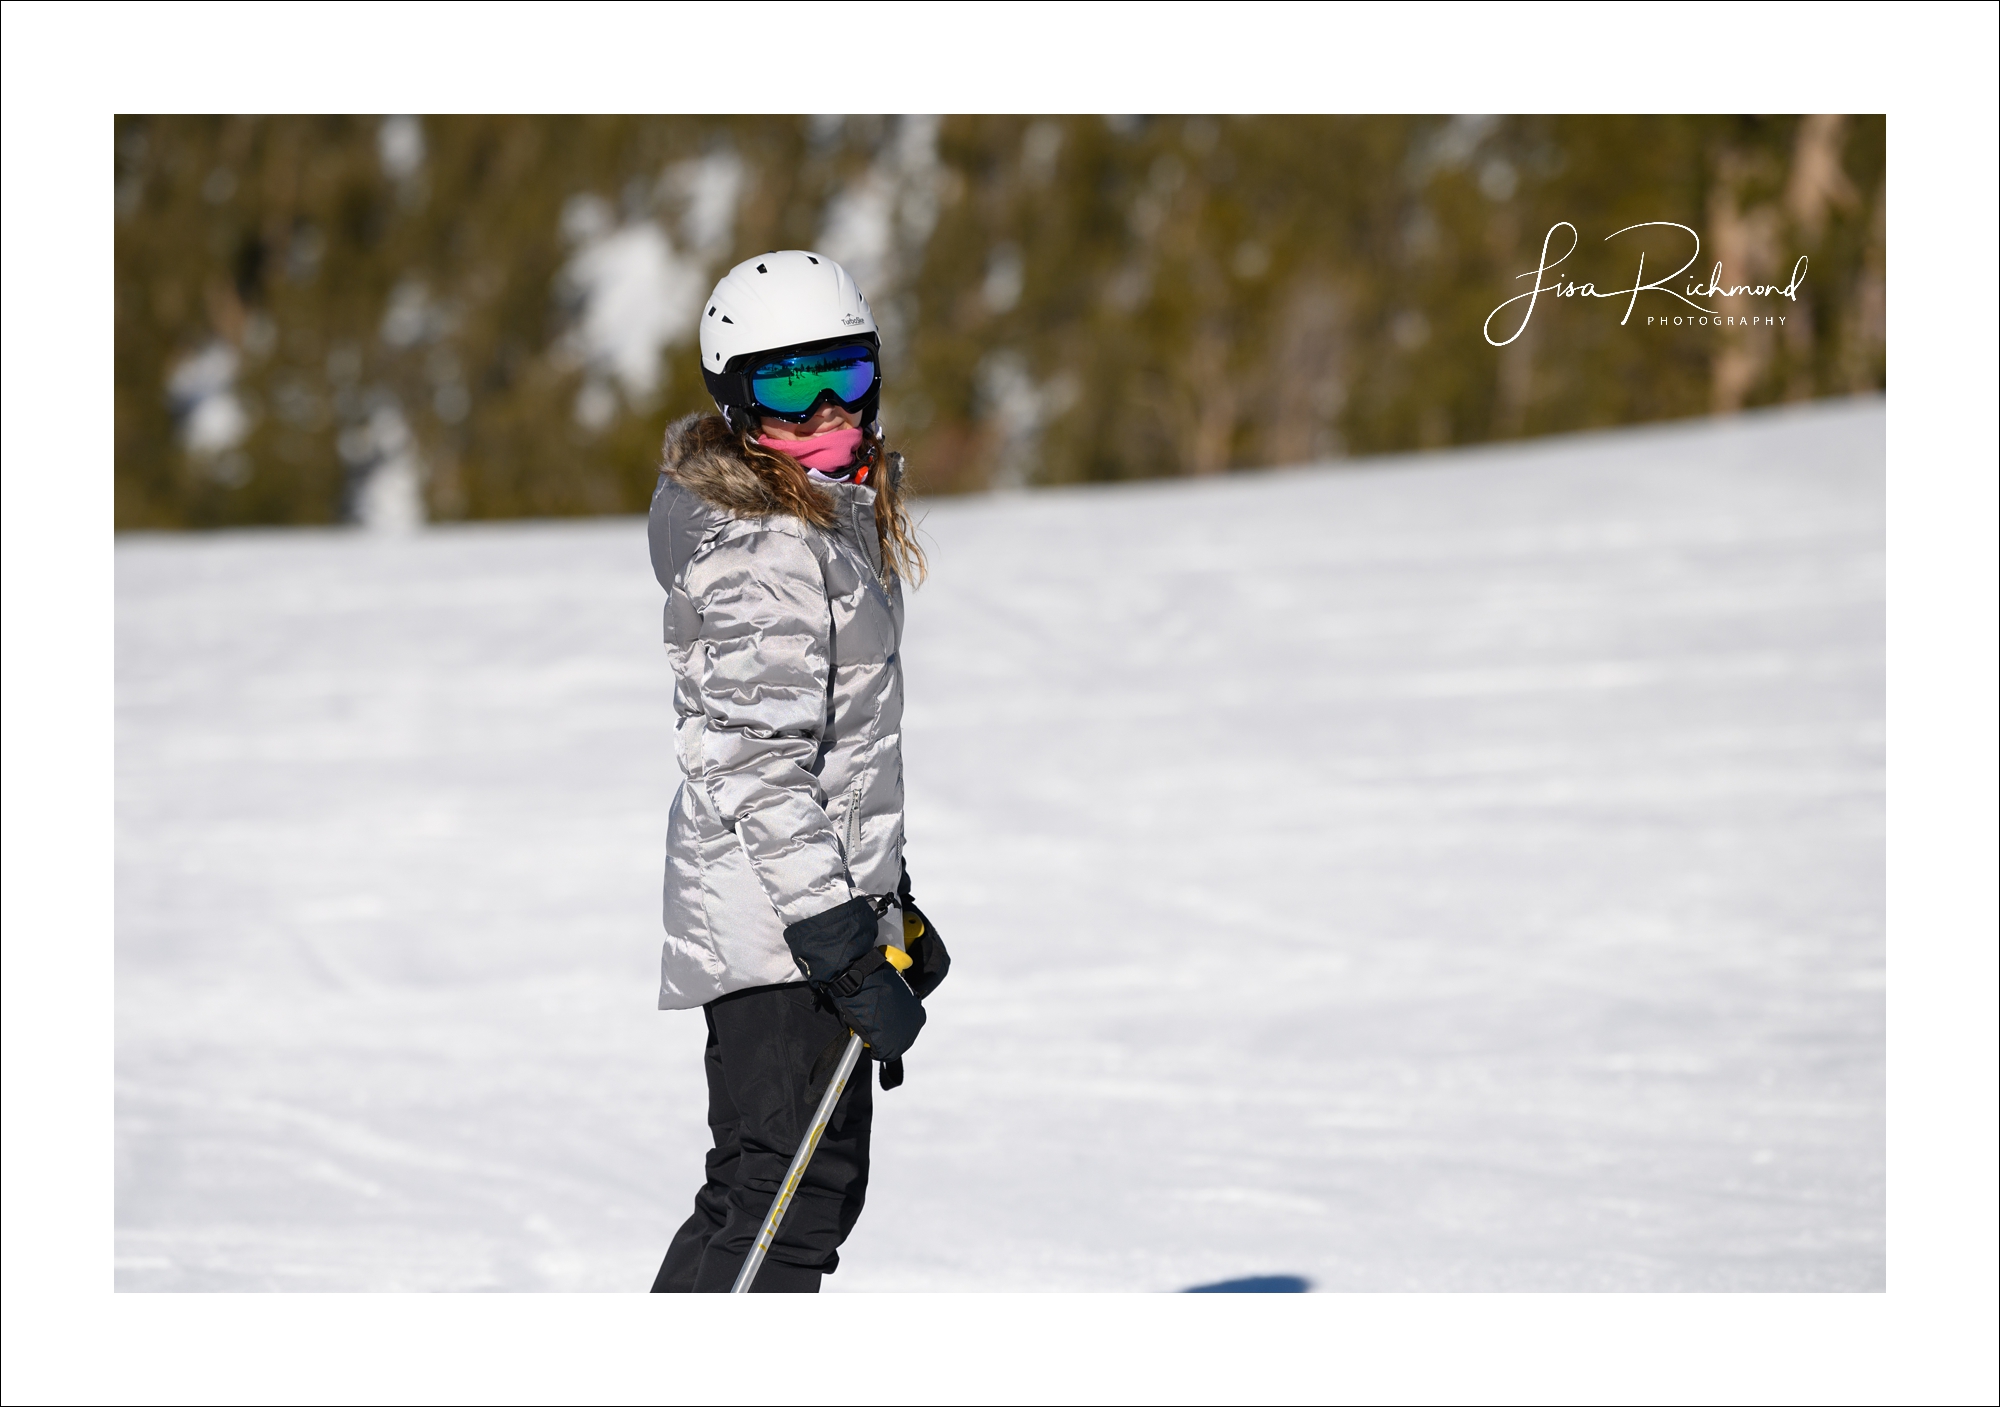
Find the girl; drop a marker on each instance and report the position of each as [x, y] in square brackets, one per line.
[780, 535]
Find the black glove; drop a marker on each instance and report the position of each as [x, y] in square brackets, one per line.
[929, 962]
[836, 951]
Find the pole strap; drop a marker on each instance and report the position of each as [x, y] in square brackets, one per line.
[849, 982]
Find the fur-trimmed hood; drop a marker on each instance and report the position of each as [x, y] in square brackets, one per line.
[705, 482]
[701, 455]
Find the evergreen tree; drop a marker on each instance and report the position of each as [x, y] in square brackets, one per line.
[496, 313]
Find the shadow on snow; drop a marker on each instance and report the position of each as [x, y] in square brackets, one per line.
[1254, 1285]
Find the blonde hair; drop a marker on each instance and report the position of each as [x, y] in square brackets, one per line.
[796, 494]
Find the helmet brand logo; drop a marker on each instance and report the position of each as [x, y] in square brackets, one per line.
[850, 320]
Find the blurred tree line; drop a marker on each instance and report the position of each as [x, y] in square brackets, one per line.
[323, 318]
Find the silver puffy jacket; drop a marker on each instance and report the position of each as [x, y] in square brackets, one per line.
[789, 696]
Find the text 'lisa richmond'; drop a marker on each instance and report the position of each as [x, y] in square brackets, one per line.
[1550, 284]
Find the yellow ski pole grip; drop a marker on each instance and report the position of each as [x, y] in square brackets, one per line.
[913, 927]
[898, 959]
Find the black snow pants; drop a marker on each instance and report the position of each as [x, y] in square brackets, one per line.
[764, 1047]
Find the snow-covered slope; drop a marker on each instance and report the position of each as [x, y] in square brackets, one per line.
[1456, 872]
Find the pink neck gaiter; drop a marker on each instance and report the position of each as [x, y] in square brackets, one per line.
[830, 453]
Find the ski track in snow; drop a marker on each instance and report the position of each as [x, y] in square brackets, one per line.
[1459, 872]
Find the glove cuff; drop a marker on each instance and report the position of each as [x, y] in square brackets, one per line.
[829, 943]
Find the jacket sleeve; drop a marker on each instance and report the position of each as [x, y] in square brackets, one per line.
[762, 661]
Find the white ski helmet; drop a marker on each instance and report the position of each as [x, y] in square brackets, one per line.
[786, 300]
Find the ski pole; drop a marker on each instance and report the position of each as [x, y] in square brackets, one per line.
[768, 1236]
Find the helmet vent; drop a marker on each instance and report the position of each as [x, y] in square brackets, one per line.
[811, 260]
[731, 321]
[711, 312]
[762, 270]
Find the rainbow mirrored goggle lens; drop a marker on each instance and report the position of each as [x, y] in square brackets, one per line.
[792, 386]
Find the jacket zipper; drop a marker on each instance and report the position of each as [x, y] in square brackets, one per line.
[853, 825]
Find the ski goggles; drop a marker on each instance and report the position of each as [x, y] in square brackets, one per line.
[792, 387]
